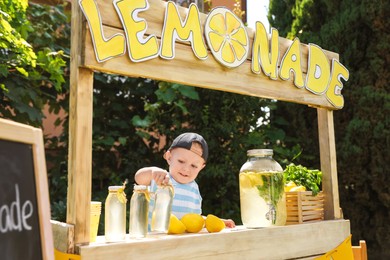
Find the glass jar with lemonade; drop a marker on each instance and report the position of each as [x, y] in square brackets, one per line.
[262, 197]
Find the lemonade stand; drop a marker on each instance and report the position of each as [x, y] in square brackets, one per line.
[160, 40]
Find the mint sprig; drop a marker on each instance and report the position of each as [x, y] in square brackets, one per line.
[300, 175]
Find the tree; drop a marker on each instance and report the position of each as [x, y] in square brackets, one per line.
[31, 67]
[358, 31]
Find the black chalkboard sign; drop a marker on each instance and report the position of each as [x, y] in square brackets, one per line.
[25, 229]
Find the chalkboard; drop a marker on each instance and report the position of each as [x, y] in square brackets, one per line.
[25, 229]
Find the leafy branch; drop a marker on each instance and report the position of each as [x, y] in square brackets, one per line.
[300, 175]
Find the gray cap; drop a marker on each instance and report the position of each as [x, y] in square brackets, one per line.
[185, 141]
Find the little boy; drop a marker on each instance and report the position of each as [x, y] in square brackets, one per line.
[186, 157]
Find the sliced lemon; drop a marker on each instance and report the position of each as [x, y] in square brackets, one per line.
[288, 186]
[175, 225]
[227, 37]
[256, 179]
[245, 182]
[298, 188]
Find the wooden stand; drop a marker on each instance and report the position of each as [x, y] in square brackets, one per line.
[288, 241]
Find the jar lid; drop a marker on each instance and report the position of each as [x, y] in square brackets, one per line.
[114, 188]
[140, 187]
[260, 152]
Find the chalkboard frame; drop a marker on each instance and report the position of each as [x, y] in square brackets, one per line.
[20, 133]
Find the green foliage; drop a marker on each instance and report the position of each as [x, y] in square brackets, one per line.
[358, 31]
[34, 51]
[16, 52]
[31, 74]
[301, 176]
[280, 15]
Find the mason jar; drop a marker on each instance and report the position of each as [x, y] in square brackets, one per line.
[115, 214]
[262, 198]
[139, 209]
[162, 208]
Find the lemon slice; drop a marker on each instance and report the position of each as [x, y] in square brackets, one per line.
[298, 188]
[175, 225]
[227, 38]
[121, 195]
[288, 186]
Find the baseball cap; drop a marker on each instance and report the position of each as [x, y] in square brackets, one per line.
[185, 141]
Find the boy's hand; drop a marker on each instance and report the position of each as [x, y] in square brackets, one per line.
[160, 176]
[229, 223]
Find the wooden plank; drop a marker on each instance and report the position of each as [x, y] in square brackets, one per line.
[63, 236]
[209, 74]
[80, 136]
[296, 241]
[43, 194]
[360, 251]
[328, 164]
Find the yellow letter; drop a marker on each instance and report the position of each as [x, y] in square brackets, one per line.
[140, 49]
[190, 31]
[105, 49]
[333, 94]
[261, 55]
[318, 72]
[291, 62]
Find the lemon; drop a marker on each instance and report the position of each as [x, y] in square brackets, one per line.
[193, 222]
[298, 188]
[256, 179]
[227, 37]
[245, 182]
[289, 186]
[175, 225]
[250, 180]
[214, 224]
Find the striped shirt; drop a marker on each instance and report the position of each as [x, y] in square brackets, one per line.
[187, 198]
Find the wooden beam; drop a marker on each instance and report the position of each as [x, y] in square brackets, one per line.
[328, 164]
[63, 235]
[209, 73]
[80, 136]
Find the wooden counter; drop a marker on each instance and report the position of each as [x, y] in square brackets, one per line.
[295, 241]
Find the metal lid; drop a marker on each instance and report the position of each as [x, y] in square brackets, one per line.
[260, 152]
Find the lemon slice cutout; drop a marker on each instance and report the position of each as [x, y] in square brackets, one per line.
[226, 37]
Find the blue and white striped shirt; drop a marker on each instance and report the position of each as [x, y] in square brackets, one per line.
[187, 198]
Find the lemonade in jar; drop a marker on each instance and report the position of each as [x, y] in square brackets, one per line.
[262, 198]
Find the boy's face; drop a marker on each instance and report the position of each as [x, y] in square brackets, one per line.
[184, 165]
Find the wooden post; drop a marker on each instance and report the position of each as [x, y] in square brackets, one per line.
[328, 164]
[80, 136]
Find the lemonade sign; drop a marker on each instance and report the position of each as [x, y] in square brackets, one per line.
[224, 35]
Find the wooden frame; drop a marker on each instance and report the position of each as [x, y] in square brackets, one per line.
[19, 133]
[180, 69]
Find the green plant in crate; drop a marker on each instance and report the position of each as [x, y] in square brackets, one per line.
[300, 175]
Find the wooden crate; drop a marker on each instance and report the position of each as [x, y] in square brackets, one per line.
[303, 207]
